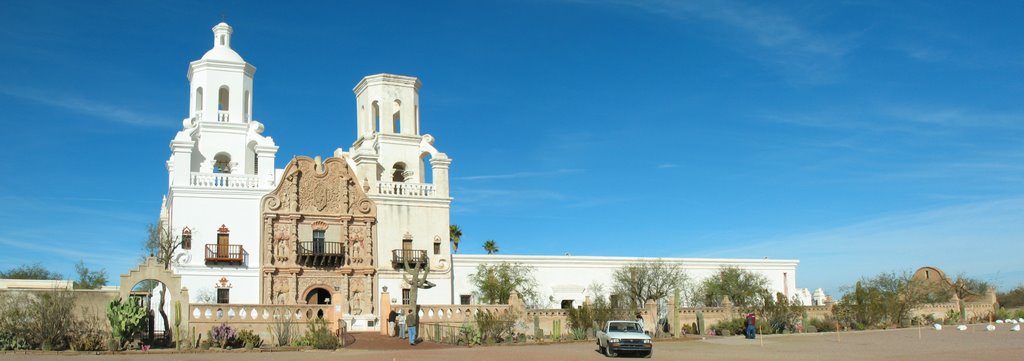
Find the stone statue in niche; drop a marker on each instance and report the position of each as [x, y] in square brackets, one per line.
[369, 243]
[282, 291]
[281, 251]
[357, 292]
[356, 240]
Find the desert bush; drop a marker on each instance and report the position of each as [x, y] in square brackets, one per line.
[282, 329]
[495, 327]
[469, 334]
[247, 337]
[318, 335]
[827, 324]
[43, 320]
[88, 334]
[222, 336]
[734, 326]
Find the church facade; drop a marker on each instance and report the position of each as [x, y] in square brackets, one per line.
[337, 231]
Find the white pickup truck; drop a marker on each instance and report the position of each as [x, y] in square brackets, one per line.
[624, 336]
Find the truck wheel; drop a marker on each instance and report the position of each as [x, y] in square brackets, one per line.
[608, 352]
[600, 348]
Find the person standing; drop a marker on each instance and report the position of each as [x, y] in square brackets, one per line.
[401, 325]
[392, 323]
[751, 326]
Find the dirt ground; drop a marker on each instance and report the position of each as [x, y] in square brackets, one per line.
[903, 344]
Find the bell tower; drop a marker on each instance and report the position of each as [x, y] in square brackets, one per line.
[406, 177]
[221, 82]
[220, 167]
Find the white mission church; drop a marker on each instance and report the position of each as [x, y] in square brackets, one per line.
[338, 230]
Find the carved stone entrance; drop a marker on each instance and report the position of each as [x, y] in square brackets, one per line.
[318, 235]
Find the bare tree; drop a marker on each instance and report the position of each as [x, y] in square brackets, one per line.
[643, 281]
[964, 287]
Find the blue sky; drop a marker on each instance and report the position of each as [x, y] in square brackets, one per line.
[857, 137]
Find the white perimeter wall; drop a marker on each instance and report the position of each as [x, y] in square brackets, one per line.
[570, 277]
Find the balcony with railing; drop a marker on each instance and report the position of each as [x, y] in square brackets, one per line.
[320, 254]
[406, 189]
[414, 258]
[225, 254]
[224, 180]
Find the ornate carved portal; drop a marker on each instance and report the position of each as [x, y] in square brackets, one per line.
[318, 230]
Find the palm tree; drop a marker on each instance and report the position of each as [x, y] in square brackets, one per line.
[454, 233]
[490, 246]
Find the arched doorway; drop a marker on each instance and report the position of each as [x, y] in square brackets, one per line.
[153, 296]
[318, 296]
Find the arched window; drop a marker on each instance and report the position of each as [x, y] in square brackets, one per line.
[222, 98]
[186, 238]
[375, 116]
[426, 172]
[199, 99]
[396, 118]
[398, 172]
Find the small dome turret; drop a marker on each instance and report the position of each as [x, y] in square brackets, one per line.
[222, 45]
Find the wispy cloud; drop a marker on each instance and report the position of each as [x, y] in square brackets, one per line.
[89, 256]
[957, 238]
[780, 39]
[666, 166]
[919, 119]
[107, 112]
[521, 175]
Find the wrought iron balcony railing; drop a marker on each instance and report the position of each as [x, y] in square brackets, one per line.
[414, 257]
[225, 253]
[313, 253]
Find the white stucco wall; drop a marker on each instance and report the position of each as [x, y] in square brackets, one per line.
[570, 277]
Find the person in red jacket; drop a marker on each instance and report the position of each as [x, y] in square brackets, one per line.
[751, 324]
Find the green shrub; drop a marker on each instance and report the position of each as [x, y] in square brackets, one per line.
[222, 336]
[734, 326]
[495, 327]
[125, 318]
[469, 334]
[827, 324]
[318, 335]
[248, 338]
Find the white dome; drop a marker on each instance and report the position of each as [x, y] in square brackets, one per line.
[223, 53]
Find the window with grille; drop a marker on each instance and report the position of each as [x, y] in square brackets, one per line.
[222, 295]
[405, 296]
[318, 241]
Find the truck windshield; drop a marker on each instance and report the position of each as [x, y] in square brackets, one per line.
[624, 327]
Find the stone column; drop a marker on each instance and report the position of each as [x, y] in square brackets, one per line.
[439, 166]
[182, 167]
[265, 162]
[385, 310]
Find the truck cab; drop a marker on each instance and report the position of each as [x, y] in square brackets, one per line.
[624, 337]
